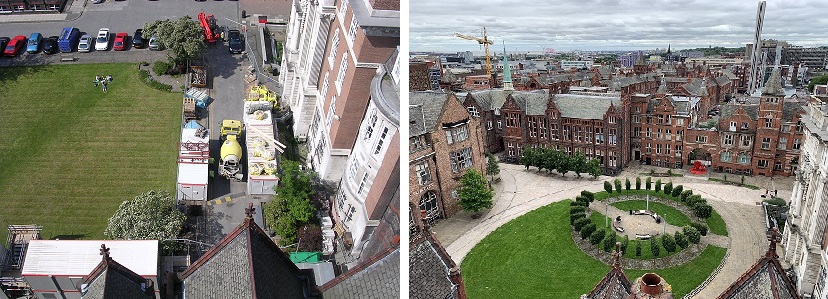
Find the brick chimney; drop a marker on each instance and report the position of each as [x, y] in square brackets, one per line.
[651, 286]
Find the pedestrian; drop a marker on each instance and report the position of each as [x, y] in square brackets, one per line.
[104, 86]
[97, 78]
[109, 78]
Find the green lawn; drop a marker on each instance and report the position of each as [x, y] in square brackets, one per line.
[717, 224]
[673, 216]
[534, 256]
[687, 277]
[72, 154]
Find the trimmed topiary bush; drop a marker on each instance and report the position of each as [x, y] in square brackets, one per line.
[587, 230]
[649, 183]
[608, 187]
[681, 240]
[668, 188]
[625, 242]
[637, 183]
[627, 183]
[658, 185]
[589, 195]
[692, 234]
[609, 241]
[576, 216]
[580, 223]
[669, 243]
[576, 210]
[597, 236]
[617, 186]
[703, 211]
[701, 227]
[685, 194]
[654, 248]
[579, 203]
[677, 190]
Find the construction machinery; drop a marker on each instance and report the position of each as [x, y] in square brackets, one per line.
[231, 151]
[485, 41]
[211, 29]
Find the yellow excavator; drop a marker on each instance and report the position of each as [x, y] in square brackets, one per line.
[231, 150]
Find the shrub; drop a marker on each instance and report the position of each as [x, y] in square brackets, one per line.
[685, 194]
[144, 75]
[627, 183]
[654, 248]
[576, 216]
[617, 186]
[637, 248]
[694, 200]
[608, 187]
[668, 188]
[677, 190]
[669, 172]
[160, 68]
[776, 201]
[625, 242]
[669, 243]
[701, 227]
[578, 203]
[658, 186]
[649, 183]
[589, 195]
[587, 230]
[703, 211]
[580, 223]
[597, 236]
[609, 241]
[576, 210]
[681, 240]
[637, 183]
[692, 234]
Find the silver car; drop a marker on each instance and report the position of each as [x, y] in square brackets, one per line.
[85, 44]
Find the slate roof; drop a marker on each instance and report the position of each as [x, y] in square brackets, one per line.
[532, 103]
[429, 270]
[583, 106]
[489, 99]
[682, 106]
[424, 108]
[722, 80]
[789, 109]
[247, 264]
[379, 277]
[765, 280]
[111, 280]
[774, 84]
[728, 109]
[694, 87]
[615, 285]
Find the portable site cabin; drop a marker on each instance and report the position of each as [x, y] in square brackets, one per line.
[55, 268]
[262, 148]
[193, 163]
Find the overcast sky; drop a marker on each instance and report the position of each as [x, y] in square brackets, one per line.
[532, 25]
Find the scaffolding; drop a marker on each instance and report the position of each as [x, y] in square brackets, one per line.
[16, 242]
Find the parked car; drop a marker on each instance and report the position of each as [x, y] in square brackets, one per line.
[15, 45]
[33, 45]
[138, 39]
[85, 44]
[234, 41]
[4, 40]
[154, 44]
[50, 45]
[120, 41]
[102, 42]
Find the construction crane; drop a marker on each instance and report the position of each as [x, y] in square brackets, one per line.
[485, 41]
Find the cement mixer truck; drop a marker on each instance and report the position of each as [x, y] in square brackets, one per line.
[231, 150]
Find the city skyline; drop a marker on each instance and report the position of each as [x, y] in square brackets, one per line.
[611, 24]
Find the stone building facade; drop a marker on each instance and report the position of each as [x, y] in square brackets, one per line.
[444, 142]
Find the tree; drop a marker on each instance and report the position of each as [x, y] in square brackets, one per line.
[609, 241]
[637, 183]
[587, 230]
[608, 187]
[589, 195]
[681, 240]
[529, 157]
[703, 211]
[291, 207]
[649, 183]
[597, 236]
[654, 248]
[668, 188]
[692, 234]
[669, 243]
[183, 37]
[492, 168]
[594, 168]
[627, 183]
[579, 164]
[658, 186]
[701, 227]
[581, 223]
[821, 79]
[677, 190]
[563, 163]
[617, 184]
[474, 193]
[149, 216]
[685, 194]
[625, 241]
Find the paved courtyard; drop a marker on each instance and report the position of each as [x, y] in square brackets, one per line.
[521, 191]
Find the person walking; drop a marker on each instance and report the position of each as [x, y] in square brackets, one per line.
[104, 86]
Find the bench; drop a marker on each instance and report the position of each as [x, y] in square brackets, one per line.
[643, 237]
[67, 59]
[619, 229]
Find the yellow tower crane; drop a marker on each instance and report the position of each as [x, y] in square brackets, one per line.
[485, 41]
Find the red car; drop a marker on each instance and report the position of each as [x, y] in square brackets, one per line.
[120, 41]
[15, 45]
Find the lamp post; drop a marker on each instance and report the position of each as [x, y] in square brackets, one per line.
[664, 230]
[606, 213]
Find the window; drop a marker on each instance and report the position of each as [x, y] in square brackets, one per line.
[511, 120]
[461, 159]
[320, 148]
[334, 48]
[362, 184]
[679, 135]
[428, 203]
[461, 133]
[796, 144]
[636, 132]
[680, 121]
[744, 126]
[727, 139]
[381, 141]
[649, 132]
[369, 127]
[778, 165]
[343, 7]
[323, 93]
[765, 145]
[511, 149]
[783, 143]
[701, 139]
[658, 149]
[599, 135]
[733, 126]
[497, 111]
[473, 111]
[423, 173]
[315, 124]
[343, 68]
[768, 122]
[331, 112]
[668, 135]
[658, 135]
[745, 140]
[727, 157]
[352, 31]
[499, 125]
[667, 149]
[786, 128]
[763, 164]
[454, 193]
[566, 135]
[533, 127]
[661, 119]
[349, 215]
[544, 126]
[554, 128]
[352, 171]
[416, 144]
[799, 126]
[744, 158]
[612, 139]
[489, 125]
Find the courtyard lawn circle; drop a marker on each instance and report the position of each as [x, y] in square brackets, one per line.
[534, 256]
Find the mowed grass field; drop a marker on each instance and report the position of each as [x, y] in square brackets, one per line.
[70, 154]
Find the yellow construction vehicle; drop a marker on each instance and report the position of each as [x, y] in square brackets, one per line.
[231, 150]
[485, 41]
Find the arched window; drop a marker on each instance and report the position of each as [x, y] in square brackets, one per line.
[744, 158]
[727, 157]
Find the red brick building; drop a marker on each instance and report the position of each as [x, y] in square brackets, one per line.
[444, 142]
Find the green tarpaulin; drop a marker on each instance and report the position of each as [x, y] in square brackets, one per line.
[305, 257]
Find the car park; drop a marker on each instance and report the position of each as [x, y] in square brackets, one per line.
[138, 39]
[154, 44]
[120, 41]
[234, 41]
[14, 46]
[85, 44]
[102, 42]
[33, 46]
[50, 45]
